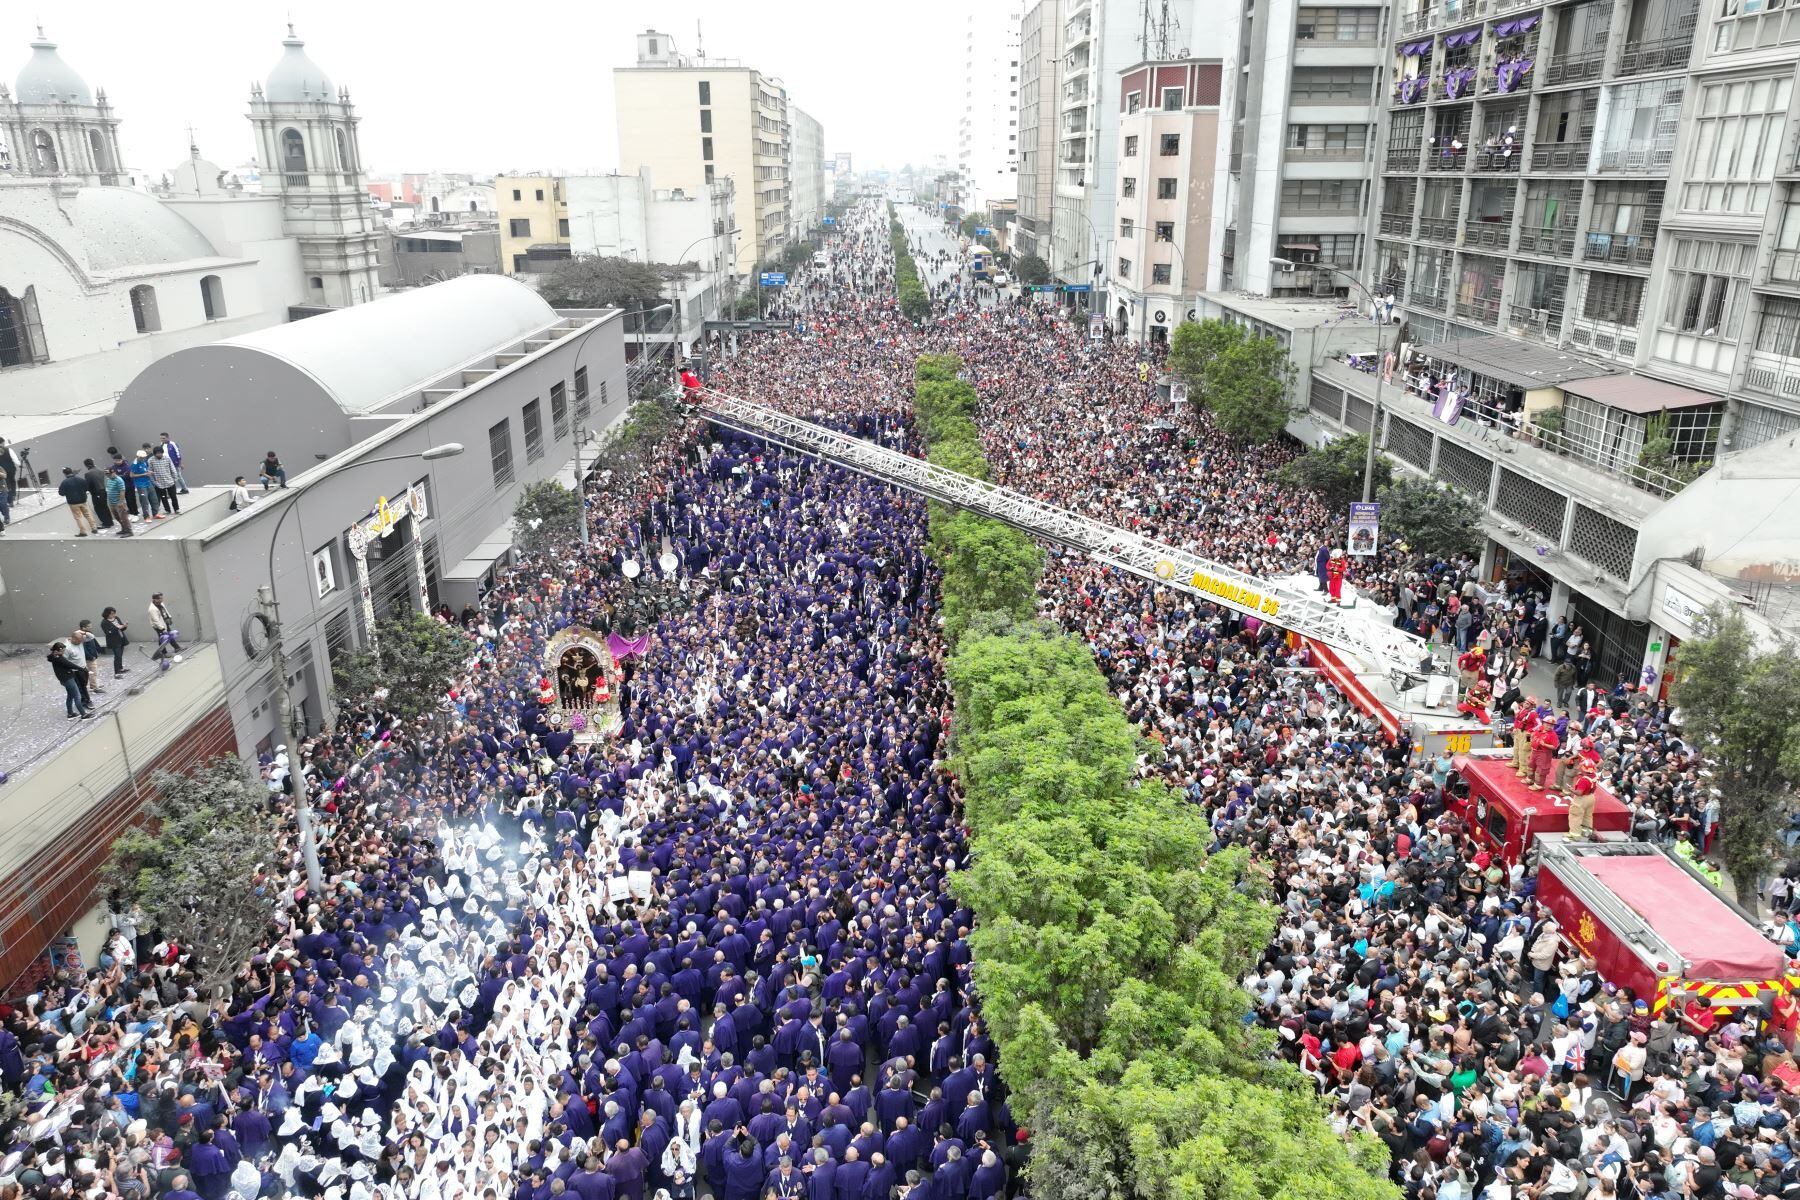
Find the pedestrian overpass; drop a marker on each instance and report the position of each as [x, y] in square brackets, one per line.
[1385, 670]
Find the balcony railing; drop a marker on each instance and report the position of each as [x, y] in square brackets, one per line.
[1402, 160]
[1397, 223]
[1427, 297]
[1669, 53]
[1773, 375]
[1604, 337]
[1540, 322]
[1423, 21]
[1577, 67]
[1561, 156]
[294, 179]
[1509, 78]
[1483, 310]
[1327, 153]
[1784, 266]
[1557, 242]
[1488, 233]
[1446, 159]
[1631, 249]
[1503, 160]
[1640, 156]
[1438, 229]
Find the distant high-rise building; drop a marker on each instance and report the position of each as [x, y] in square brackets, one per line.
[987, 132]
[1040, 75]
[807, 164]
[693, 120]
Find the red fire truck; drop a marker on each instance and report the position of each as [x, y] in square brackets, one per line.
[1507, 815]
[1653, 924]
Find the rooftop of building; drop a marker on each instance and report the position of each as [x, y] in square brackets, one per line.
[1285, 313]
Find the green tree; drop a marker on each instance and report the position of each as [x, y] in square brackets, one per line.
[1434, 520]
[1246, 389]
[1335, 470]
[1740, 703]
[1033, 269]
[599, 281]
[1194, 345]
[193, 864]
[547, 515]
[987, 567]
[414, 660]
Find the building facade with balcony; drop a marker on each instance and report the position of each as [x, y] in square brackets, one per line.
[1040, 76]
[987, 127]
[1293, 164]
[693, 120]
[1100, 40]
[1615, 178]
[1162, 239]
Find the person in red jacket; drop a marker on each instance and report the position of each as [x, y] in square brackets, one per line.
[1543, 754]
[1334, 575]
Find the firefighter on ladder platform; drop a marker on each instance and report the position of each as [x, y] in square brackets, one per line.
[690, 384]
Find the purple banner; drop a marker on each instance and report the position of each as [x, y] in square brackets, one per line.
[623, 648]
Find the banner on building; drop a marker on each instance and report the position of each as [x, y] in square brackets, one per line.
[1365, 528]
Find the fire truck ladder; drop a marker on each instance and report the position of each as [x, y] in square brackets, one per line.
[1380, 646]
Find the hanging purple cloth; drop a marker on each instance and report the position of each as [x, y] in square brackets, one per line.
[1512, 73]
[623, 647]
[1457, 81]
[1506, 29]
[1527, 24]
[1412, 88]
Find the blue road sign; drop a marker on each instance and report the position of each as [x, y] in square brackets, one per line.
[774, 279]
[830, 220]
[980, 232]
[1079, 287]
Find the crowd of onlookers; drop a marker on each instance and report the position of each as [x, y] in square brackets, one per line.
[721, 954]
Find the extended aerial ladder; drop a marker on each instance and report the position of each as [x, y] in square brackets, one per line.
[1399, 659]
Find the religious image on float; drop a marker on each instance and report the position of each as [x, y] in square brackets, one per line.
[579, 687]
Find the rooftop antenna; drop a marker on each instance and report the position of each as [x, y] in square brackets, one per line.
[193, 146]
[699, 40]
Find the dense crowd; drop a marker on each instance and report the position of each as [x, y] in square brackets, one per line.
[720, 953]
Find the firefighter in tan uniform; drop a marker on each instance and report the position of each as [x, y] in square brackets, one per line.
[1581, 807]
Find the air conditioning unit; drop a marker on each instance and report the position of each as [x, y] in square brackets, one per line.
[1283, 265]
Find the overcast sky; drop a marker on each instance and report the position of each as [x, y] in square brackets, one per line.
[490, 87]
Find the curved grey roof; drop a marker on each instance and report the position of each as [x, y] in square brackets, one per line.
[296, 77]
[366, 356]
[121, 228]
[47, 79]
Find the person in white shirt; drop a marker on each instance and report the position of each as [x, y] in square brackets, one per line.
[240, 495]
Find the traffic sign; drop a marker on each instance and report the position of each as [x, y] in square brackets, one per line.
[981, 232]
[774, 279]
[830, 221]
[1079, 287]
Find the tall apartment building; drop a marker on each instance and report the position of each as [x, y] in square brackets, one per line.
[1615, 178]
[987, 129]
[1101, 39]
[808, 162]
[534, 223]
[1040, 74]
[693, 120]
[1168, 146]
[1588, 225]
[1293, 173]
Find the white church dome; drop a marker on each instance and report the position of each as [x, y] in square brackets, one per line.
[47, 79]
[296, 78]
[122, 228]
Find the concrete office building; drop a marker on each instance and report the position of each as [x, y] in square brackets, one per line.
[624, 216]
[480, 360]
[534, 223]
[1100, 39]
[808, 171]
[1040, 74]
[418, 256]
[987, 128]
[691, 120]
[1293, 171]
[1165, 206]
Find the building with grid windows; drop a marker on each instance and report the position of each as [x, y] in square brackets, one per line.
[1293, 164]
[1585, 223]
[987, 128]
[1040, 72]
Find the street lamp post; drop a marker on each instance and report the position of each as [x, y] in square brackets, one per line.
[1085, 220]
[682, 258]
[1376, 308]
[270, 610]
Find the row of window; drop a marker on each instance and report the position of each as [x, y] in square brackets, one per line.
[1338, 25]
[147, 319]
[520, 227]
[1171, 145]
[531, 417]
[1165, 187]
[1165, 230]
[1159, 272]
